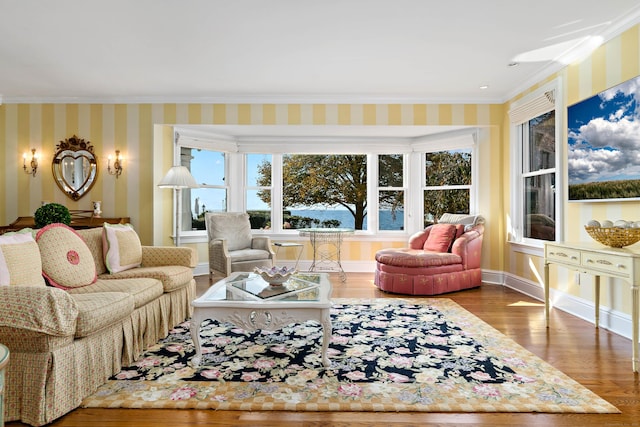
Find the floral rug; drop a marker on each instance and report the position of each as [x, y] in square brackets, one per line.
[426, 355]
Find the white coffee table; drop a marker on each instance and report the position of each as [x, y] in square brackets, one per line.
[248, 302]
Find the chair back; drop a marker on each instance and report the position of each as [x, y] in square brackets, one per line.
[234, 227]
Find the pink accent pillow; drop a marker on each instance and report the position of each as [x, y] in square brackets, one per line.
[440, 237]
[20, 263]
[67, 261]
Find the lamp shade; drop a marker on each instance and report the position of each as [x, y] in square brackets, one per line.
[178, 177]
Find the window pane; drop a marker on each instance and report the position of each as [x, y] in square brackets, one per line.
[324, 190]
[390, 173]
[259, 211]
[448, 168]
[258, 170]
[201, 200]
[258, 179]
[207, 167]
[539, 202]
[542, 142]
[391, 213]
[437, 202]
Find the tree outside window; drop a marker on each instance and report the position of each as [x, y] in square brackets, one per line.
[447, 183]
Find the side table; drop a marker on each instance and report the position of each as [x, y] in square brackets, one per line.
[299, 246]
[4, 360]
[326, 244]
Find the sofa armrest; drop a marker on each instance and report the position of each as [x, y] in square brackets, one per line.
[416, 241]
[45, 310]
[469, 247]
[154, 256]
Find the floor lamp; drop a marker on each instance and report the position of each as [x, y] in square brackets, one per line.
[178, 178]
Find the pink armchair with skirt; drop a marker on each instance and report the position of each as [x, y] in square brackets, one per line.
[444, 257]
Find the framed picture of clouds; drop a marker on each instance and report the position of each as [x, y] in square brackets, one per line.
[604, 145]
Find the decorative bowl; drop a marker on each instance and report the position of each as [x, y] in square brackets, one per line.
[275, 276]
[614, 237]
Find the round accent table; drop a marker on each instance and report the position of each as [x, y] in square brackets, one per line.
[326, 244]
[4, 360]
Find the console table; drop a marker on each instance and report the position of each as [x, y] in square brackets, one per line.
[598, 260]
[78, 221]
[326, 243]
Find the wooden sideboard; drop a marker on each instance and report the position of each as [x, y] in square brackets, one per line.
[79, 220]
[598, 260]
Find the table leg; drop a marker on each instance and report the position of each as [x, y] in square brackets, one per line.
[597, 299]
[314, 247]
[635, 362]
[546, 294]
[196, 322]
[326, 336]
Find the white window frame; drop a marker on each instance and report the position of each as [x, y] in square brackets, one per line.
[544, 99]
[413, 151]
[447, 142]
[373, 173]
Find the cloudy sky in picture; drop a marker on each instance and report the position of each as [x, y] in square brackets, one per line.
[604, 135]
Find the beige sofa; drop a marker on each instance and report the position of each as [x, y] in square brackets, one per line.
[65, 343]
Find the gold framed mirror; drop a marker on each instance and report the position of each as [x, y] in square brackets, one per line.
[74, 167]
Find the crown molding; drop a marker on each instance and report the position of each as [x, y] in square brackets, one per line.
[254, 99]
[618, 27]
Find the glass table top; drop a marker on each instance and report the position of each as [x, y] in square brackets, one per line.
[251, 287]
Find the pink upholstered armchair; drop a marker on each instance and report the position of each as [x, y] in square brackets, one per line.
[444, 257]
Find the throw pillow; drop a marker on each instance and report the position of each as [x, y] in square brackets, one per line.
[121, 247]
[440, 237]
[233, 226]
[20, 263]
[67, 261]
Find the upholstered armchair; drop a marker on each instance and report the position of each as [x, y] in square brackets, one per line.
[232, 247]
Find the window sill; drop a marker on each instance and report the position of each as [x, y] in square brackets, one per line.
[529, 248]
[193, 237]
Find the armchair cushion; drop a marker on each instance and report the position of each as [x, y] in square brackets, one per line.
[232, 226]
[20, 262]
[67, 261]
[121, 246]
[440, 237]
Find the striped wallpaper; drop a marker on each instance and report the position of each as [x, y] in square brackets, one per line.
[142, 133]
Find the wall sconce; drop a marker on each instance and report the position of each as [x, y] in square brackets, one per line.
[117, 165]
[33, 164]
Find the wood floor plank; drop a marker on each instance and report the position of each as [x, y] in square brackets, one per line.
[598, 359]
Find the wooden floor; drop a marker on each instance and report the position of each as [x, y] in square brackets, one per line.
[596, 358]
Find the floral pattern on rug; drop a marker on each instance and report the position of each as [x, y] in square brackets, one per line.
[386, 355]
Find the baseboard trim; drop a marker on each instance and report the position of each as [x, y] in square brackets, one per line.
[612, 320]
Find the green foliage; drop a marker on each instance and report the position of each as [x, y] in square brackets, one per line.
[52, 213]
[326, 180]
[622, 189]
[446, 168]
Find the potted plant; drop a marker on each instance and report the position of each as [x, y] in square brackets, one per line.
[52, 213]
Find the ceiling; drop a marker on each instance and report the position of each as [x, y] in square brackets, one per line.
[330, 51]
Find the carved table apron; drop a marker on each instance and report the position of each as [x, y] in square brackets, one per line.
[224, 304]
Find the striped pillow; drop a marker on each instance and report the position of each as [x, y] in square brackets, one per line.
[67, 261]
[121, 246]
[20, 263]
